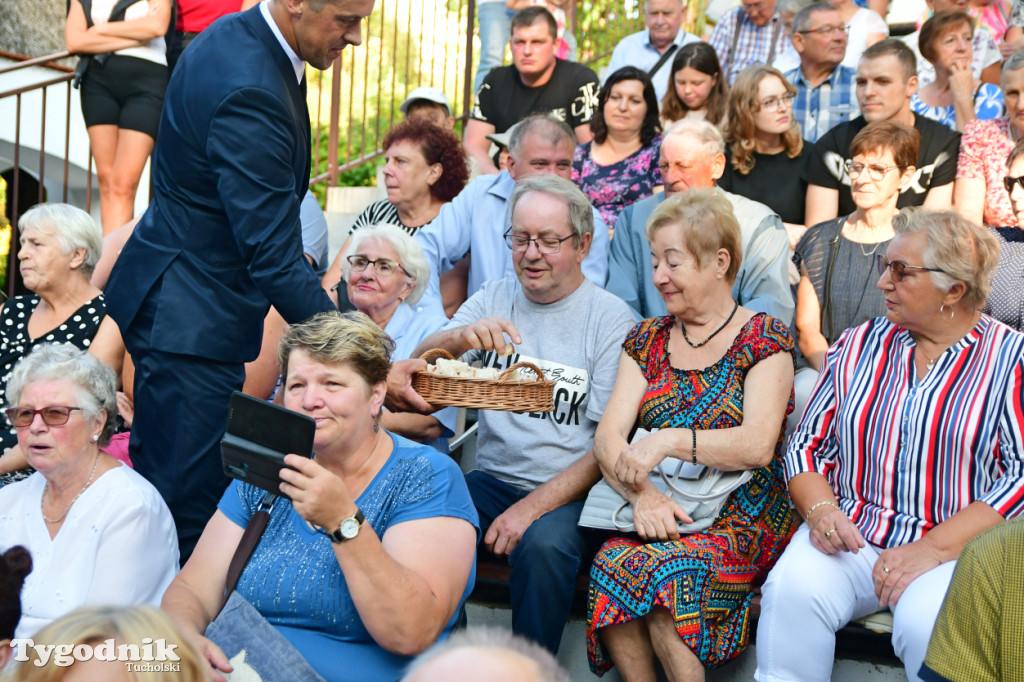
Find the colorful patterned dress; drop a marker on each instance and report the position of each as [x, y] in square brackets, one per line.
[705, 580]
[613, 187]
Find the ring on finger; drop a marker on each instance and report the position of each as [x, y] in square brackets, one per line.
[885, 569]
[828, 533]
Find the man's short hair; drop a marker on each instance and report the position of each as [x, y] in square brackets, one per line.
[893, 47]
[705, 131]
[899, 138]
[581, 214]
[1013, 62]
[802, 20]
[550, 129]
[793, 6]
[532, 15]
[495, 639]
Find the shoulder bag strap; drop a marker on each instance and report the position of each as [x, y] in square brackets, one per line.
[664, 58]
[775, 40]
[735, 42]
[250, 538]
[826, 309]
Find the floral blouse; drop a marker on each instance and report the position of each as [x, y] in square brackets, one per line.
[613, 187]
[988, 104]
[983, 151]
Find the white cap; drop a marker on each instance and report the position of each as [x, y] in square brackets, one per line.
[500, 139]
[429, 93]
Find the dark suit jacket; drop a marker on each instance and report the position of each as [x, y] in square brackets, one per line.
[221, 236]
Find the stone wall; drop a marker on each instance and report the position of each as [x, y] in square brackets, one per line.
[32, 27]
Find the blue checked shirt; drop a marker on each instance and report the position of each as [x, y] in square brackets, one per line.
[819, 109]
[755, 44]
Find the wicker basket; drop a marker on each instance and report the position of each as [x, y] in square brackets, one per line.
[485, 394]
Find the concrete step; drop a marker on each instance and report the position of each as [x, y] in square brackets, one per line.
[573, 654]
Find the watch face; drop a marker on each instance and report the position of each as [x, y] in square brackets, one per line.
[349, 528]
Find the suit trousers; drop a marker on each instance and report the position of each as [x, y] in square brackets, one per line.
[545, 563]
[181, 411]
[809, 596]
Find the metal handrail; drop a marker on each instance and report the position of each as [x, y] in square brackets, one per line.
[23, 63]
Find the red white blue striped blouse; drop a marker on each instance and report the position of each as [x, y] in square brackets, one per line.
[903, 455]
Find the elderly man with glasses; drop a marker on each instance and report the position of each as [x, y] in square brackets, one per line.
[747, 35]
[475, 220]
[825, 89]
[534, 469]
[693, 155]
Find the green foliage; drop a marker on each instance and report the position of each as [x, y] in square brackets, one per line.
[363, 175]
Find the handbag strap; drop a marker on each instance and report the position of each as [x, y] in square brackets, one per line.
[709, 478]
[827, 324]
[250, 538]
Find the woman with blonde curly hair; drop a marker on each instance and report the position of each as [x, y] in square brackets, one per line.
[766, 155]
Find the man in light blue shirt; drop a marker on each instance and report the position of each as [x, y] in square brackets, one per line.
[477, 219]
[663, 36]
[693, 156]
[825, 89]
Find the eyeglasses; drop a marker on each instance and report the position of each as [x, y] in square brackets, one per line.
[53, 415]
[1009, 181]
[520, 243]
[383, 267]
[897, 267]
[875, 172]
[827, 30]
[778, 103]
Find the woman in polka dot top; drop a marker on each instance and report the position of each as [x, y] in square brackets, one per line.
[60, 245]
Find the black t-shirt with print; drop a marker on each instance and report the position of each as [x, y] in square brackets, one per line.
[936, 161]
[570, 94]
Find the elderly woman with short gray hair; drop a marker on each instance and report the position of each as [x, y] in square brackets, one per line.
[386, 274]
[979, 193]
[98, 532]
[60, 245]
[910, 446]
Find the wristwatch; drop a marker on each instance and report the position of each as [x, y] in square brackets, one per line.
[347, 529]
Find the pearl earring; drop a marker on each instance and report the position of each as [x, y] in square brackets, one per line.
[95, 438]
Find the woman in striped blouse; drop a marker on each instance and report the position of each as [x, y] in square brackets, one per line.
[910, 446]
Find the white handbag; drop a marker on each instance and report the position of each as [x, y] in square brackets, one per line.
[701, 491]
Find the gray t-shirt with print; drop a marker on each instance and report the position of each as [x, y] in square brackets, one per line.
[577, 341]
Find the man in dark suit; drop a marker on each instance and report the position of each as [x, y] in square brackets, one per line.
[220, 241]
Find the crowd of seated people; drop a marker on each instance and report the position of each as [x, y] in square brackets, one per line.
[826, 217]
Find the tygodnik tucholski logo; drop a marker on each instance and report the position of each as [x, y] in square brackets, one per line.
[152, 656]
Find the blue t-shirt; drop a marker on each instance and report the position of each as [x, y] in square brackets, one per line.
[293, 578]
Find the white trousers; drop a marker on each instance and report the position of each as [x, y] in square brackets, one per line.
[809, 596]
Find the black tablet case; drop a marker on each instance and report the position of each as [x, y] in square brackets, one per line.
[258, 436]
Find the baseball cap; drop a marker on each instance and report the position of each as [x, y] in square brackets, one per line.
[429, 93]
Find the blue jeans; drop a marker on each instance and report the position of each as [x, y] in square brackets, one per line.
[495, 24]
[545, 563]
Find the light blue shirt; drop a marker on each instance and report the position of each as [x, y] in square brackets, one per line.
[314, 232]
[475, 222]
[636, 50]
[818, 109]
[407, 327]
[762, 283]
